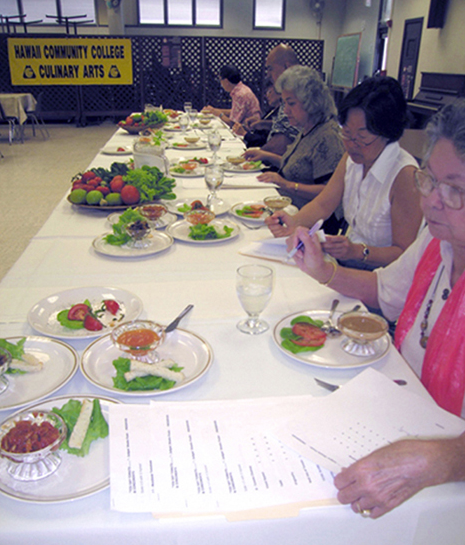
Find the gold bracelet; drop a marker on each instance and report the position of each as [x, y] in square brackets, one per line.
[331, 278]
[296, 187]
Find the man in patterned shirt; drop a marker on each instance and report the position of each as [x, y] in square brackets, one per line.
[245, 105]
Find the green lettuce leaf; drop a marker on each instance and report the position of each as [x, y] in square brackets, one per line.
[16, 350]
[98, 427]
[123, 365]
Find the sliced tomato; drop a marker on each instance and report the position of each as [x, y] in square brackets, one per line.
[92, 324]
[189, 165]
[311, 335]
[78, 312]
[111, 305]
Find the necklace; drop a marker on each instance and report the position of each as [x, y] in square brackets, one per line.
[424, 323]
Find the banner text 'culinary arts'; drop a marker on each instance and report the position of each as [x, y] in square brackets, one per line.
[70, 61]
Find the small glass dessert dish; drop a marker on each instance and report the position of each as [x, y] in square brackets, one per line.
[139, 339]
[192, 139]
[277, 203]
[138, 230]
[362, 330]
[204, 120]
[5, 360]
[153, 213]
[236, 160]
[198, 216]
[30, 440]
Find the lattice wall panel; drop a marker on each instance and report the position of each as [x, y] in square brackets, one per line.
[195, 79]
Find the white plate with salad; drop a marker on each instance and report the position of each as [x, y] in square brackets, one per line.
[189, 168]
[244, 168]
[57, 364]
[155, 243]
[77, 476]
[218, 230]
[188, 350]
[188, 146]
[256, 211]
[116, 150]
[330, 355]
[182, 206]
[43, 316]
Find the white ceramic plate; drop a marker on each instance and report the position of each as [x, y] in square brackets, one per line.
[229, 167]
[76, 477]
[116, 150]
[172, 128]
[331, 356]
[180, 231]
[187, 349]
[42, 316]
[219, 207]
[166, 219]
[196, 173]
[60, 364]
[186, 145]
[291, 209]
[156, 242]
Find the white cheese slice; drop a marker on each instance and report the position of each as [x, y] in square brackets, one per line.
[29, 363]
[82, 424]
[160, 369]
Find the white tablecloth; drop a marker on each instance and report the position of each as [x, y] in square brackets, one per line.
[61, 257]
[16, 105]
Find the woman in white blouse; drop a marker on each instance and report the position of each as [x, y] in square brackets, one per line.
[425, 290]
[374, 181]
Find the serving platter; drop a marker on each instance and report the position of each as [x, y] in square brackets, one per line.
[187, 349]
[180, 231]
[43, 315]
[331, 355]
[77, 477]
[155, 243]
[60, 364]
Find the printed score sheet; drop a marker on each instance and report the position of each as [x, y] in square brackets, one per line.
[211, 457]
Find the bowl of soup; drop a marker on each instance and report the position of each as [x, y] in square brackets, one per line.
[362, 326]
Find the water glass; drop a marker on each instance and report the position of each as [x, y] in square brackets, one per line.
[183, 122]
[187, 107]
[214, 176]
[254, 285]
[214, 143]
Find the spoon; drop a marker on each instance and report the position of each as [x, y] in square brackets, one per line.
[328, 327]
[174, 324]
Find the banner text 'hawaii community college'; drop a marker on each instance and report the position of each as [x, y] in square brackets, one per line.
[70, 61]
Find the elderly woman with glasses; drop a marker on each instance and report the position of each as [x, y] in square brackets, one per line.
[311, 159]
[374, 181]
[425, 290]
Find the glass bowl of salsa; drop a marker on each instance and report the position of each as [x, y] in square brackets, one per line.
[30, 441]
[153, 213]
[139, 339]
[362, 329]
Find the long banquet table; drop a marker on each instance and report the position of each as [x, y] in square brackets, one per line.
[61, 256]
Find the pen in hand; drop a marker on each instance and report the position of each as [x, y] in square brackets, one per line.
[300, 245]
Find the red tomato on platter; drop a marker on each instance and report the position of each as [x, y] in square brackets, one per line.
[78, 312]
[92, 324]
[311, 335]
[112, 306]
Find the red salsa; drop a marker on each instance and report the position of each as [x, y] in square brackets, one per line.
[28, 436]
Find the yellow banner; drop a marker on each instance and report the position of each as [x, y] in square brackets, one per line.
[70, 61]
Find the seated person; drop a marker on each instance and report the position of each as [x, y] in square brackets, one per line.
[312, 158]
[425, 290]
[245, 104]
[374, 181]
[256, 133]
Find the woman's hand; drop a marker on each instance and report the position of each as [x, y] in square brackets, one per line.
[239, 129]
[387, 477]
[281, 224]
[310, 259]
[272, 178]
[212, 110]
[254, 154]
[340, 247]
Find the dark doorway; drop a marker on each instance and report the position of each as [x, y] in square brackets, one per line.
[409, 55]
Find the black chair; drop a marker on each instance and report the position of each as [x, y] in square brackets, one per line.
[36, 119]
[12, 125]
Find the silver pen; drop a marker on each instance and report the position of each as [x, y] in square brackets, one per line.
[300, 245]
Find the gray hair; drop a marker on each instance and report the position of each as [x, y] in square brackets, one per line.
[448, 123]
[310, 90]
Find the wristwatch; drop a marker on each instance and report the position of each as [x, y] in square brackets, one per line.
[365, 252]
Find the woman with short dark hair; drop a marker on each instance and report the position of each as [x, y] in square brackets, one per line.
[374, 181]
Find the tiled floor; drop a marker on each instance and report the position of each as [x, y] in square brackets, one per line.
[35, 175]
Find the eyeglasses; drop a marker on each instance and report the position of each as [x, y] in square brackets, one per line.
[362, 141]
[451, 195]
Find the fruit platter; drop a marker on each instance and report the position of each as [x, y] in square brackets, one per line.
[135, 123]
[119, 187]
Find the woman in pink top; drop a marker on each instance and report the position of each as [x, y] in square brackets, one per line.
[245, 105]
